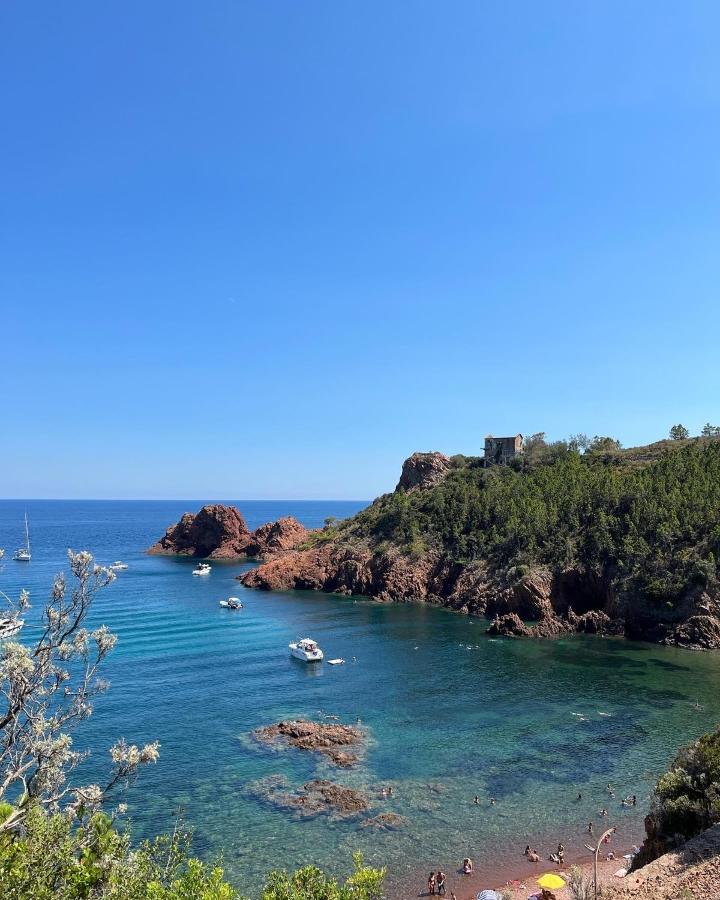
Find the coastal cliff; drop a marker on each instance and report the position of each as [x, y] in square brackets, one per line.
[220, 532]
[621, 542]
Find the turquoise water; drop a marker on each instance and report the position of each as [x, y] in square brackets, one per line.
[450, 712]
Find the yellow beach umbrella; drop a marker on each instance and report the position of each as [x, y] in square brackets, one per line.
[551, 882]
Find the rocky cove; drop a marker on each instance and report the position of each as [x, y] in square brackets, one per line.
[534, 599]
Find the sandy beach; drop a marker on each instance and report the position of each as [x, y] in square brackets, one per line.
[521, 879]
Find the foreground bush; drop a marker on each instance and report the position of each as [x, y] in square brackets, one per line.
[687, 797]
[55, 859]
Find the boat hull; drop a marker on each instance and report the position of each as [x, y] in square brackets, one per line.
[304, 656]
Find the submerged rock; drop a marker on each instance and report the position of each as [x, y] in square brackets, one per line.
[315, 736]
[384, 822]
[220, 532]
[316, 797]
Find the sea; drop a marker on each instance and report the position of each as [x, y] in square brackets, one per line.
[450, 714]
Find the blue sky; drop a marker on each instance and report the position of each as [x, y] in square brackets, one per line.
[269, 249]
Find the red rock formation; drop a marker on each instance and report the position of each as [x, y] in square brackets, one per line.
[509, 625]
[423, 470]
[277, 537]
[340, 569]
[215, 531]
[220, 532]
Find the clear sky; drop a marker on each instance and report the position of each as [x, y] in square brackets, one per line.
[268, 249]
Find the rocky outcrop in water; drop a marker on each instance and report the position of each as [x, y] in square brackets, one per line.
[422, 471]
[220, 532]
[314, 798]
[384, 822]
[339, 743]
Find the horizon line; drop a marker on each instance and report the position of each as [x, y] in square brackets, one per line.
[183, 500]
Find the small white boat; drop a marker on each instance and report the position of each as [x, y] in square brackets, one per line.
[118, 566]
[22, 554]
[202, 569]
[2, 553]
[9, 627]
[336, 662]
[231, 603]
[306, 650]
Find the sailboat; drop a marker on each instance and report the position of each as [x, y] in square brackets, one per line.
[23, 553]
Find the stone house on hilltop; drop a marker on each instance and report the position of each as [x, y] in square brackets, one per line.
[500, 450]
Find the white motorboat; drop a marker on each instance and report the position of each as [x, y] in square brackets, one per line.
[336, 662]
[231, 603]
[9, 627]
[22, 554]
[306, 650]
[202, 569]
[118, 566]
[2, 553]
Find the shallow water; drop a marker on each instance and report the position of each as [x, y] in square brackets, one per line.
[450, 712]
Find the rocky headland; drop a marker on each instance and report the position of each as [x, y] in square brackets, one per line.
[220, 532]
[559, 547]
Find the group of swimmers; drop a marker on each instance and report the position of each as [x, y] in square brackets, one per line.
[436, 880]
[436, 883]
[476, 801]
[534, 857]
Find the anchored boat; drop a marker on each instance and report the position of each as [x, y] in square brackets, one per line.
[231, 603]
[10, 626]
[22, 554]
[306, 650]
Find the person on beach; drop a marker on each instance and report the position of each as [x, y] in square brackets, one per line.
[452, 895]
[533, 856]
[561, 854]
[441, 882]
[590, 828]
[527, 850]
[547, 895]
[467, 866]
[431, 883]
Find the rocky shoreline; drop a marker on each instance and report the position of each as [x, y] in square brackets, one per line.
[538, 604]
[521, 602]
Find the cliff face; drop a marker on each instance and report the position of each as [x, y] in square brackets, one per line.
[220, 532]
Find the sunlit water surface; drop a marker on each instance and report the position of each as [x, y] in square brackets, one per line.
[450, 712]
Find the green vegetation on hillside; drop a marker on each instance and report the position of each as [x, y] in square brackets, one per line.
[648, 517]
[687, 796]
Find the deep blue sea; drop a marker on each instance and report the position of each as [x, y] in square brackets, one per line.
[450, 712]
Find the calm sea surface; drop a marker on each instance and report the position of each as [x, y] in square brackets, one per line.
[451, 713]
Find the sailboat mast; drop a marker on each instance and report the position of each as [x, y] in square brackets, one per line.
[27, 534]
